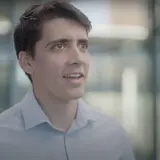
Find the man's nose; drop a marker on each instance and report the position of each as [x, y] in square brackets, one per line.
[75, 56]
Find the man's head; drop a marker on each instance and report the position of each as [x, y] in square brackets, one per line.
[51, 42]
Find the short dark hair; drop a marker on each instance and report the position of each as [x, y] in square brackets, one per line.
[28, 30]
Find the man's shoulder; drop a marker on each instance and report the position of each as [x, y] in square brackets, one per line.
[108, 123]
[112, 131]
[101, 118]
[12, 117]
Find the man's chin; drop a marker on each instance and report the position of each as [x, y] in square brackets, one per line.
[76, 94]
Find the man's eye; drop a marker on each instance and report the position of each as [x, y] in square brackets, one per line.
[83, 46]
[58, 46]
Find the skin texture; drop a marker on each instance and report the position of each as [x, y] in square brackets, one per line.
[62, 50]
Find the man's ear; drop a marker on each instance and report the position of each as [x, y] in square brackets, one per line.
[25, 62]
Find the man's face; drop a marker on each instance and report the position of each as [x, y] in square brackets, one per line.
[61, 61]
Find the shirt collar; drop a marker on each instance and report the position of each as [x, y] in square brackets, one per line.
[33, 114]
[84, 114]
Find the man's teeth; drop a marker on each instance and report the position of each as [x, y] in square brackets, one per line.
[73, 76]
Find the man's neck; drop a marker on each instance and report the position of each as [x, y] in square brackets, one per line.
[61, 114]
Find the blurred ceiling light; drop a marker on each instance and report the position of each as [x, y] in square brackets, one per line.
[5, 26]
[119, 32]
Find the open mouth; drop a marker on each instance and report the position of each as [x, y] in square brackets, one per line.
[74, 76]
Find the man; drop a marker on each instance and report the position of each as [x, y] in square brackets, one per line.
[52, 122]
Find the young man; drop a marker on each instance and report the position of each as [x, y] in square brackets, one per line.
[52, 122]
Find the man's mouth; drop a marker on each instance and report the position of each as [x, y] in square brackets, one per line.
[75, 79]
[74, 76]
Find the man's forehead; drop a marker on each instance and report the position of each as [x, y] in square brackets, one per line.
[69, 36]
[62, 28]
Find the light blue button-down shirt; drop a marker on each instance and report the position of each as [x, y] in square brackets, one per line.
[27, 134]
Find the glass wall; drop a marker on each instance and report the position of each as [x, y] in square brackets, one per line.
[157, 45]
[5, 53]
[120, 80]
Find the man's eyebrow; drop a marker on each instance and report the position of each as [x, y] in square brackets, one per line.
[83, 40]
[62, 40]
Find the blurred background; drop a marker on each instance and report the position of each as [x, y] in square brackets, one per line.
[124, 81]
